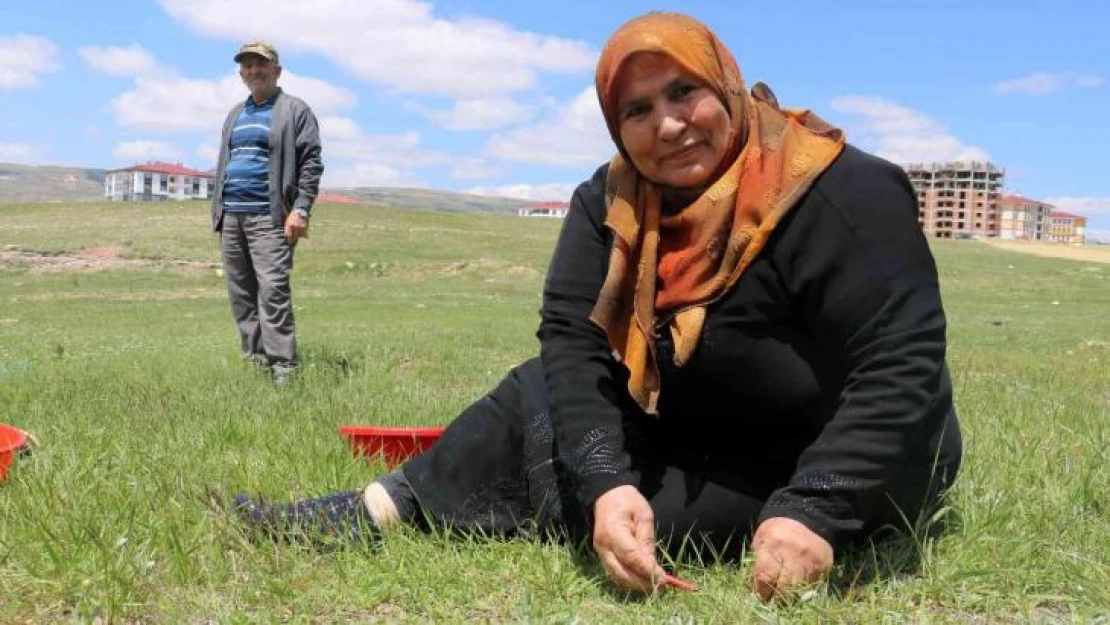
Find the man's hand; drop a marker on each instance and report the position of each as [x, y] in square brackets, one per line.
[787, 555]
[624, 539]
[295, 228]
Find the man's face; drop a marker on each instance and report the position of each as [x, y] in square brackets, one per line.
[259, 74]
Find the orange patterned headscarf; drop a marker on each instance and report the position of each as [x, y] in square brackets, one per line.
[665, 270]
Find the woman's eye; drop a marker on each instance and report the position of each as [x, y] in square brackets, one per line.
[682, 90]
[635, 110]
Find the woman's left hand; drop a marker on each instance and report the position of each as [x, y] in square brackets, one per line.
[787, 555]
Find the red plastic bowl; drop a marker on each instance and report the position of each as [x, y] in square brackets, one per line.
[393, 444]
[11, 440]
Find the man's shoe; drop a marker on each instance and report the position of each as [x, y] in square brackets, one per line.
[258, 361]
[283, 375]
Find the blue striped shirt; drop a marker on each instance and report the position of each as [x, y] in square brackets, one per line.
[247, 177]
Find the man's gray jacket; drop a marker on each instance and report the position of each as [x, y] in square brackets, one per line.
[295, 165]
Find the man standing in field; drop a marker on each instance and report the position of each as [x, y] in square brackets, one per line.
[267, 178]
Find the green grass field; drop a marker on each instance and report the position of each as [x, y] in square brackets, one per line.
[131, 380]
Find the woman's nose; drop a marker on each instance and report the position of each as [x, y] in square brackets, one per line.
[671, 126]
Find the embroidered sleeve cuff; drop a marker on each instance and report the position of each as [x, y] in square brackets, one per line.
[838, 532]
[599, 484]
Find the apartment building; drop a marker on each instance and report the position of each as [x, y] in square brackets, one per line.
[545, 209]
[156, 181]
[1067, 228]
[1023, 219]
[957, 200]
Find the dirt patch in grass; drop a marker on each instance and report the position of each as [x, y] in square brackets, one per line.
[88, 260]
[520, 271]
[495, 271]
[455, 268]
[1087, 253]
[140, 296]
[382, 613]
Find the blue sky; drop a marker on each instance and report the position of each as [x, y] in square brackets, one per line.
[495, 96]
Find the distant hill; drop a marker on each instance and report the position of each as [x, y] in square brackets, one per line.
[430, 200]
[41, 183]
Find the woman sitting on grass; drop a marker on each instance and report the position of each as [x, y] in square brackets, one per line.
[742, 339]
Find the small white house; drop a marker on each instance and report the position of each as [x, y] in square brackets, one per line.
[157, 181]
[545, 209]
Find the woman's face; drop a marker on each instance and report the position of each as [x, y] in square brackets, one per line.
[673, 126]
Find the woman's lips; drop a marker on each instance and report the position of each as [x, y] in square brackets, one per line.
[682, 153]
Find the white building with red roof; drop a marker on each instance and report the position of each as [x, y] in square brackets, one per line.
[1022, 218]
[157, 181]
[545, 209]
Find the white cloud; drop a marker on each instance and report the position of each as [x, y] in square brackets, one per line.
[481, 114]
[538, 192]
[401, 43]
[387, 159]
[145, 150]
[23, 58]
[1099, 236]
[1043, 83]
[15, 153]
[901, 134]
[1086, 206]
[133, 60]
[372, 160]
[576, 136]
[344, 139]
[164, 102]
[335, 128]
[172, 103]
[208, 154]
[474, 169]
[370, 175]
[324, 97]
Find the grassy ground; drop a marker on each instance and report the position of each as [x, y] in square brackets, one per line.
[131, 380]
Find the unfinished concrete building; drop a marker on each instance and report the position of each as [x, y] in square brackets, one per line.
[957, 200]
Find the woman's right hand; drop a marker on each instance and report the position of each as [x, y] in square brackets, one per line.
[624, 539]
